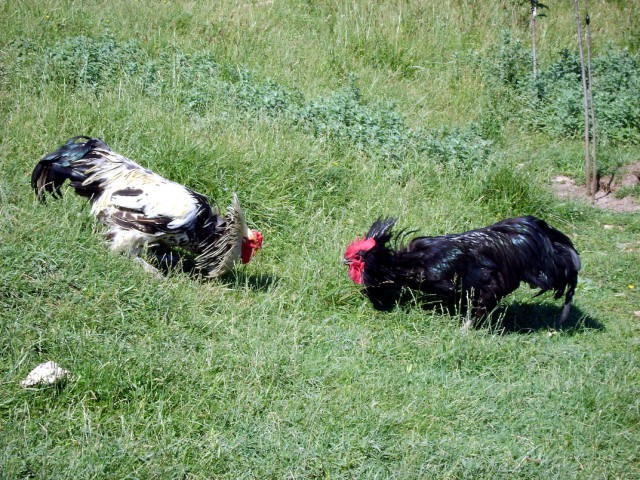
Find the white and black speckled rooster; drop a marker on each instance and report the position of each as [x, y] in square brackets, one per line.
[143, 209]
[476, 268]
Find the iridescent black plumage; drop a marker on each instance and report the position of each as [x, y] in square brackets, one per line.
[475, 268]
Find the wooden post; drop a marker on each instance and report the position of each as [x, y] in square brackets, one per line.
[534, 13]
[587, 155]
[594, 164]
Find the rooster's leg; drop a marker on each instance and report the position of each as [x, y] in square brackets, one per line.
[135, 253]
[468, 324]
[132, 242]
[147, 267]
[165, 258]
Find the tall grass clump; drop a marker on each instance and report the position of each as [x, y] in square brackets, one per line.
[507, 190]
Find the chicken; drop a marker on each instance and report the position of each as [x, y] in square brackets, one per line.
[143, 209]
[474, 269]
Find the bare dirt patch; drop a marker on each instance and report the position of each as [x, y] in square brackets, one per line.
[608, 185]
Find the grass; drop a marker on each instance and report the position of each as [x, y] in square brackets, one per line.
[283, 369]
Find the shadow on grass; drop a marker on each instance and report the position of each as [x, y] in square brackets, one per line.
[168, 262]
[531, 317]
[259, 283]
[517, 317]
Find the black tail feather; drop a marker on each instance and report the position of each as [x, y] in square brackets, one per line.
[567, 300]
[561, 271]
[55, 168]
[380, 231]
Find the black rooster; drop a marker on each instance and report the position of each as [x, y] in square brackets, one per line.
[475, 269]
[143, 209]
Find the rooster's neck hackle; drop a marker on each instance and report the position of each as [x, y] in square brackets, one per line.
[220, 252]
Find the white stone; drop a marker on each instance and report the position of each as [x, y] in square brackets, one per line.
[563, 179]
[48, 373]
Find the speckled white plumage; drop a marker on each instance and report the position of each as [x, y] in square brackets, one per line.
[142, 208]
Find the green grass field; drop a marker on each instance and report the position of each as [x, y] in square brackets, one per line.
[322, 116]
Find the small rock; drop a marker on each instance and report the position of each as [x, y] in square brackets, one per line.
[629, 247]
[48, 373]
[563, 179]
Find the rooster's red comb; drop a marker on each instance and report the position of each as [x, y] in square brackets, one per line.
[359, 245]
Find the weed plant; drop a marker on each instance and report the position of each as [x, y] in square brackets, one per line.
[551, 102]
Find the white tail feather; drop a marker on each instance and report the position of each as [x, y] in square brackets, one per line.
[219, 257]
